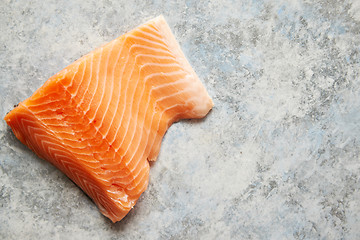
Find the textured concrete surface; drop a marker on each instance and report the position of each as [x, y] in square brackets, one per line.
[277, 158]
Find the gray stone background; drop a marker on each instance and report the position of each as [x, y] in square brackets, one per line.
[277, 158]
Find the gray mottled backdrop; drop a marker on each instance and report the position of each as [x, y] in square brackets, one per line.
[277, 158]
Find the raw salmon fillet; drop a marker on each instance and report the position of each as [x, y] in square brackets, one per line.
[102, 118]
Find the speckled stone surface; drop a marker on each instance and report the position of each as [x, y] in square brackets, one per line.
[277, 158]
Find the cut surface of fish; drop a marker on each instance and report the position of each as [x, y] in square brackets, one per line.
[102, 119]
